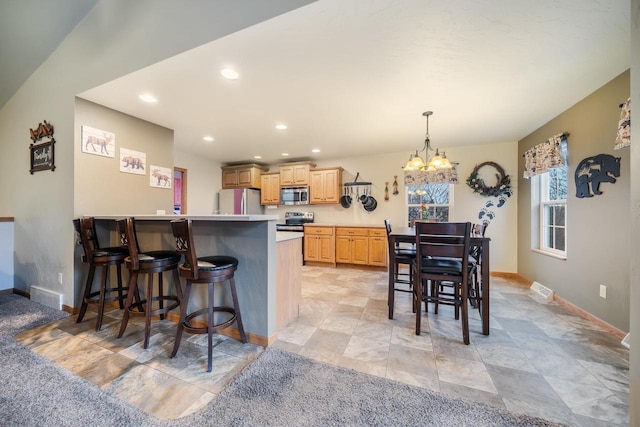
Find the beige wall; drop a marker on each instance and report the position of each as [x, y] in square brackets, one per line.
[597, 227]
[99, 186]
[203, 181]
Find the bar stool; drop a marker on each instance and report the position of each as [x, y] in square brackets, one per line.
[104, 258]
[148, 263]
[209, 270]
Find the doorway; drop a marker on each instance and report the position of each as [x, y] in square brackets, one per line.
[179, 191]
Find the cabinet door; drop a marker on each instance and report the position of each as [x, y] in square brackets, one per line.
[332, 186]
[326, 248]
[359, 250]
[270, 189]
[311, 248]
[301, 174]
[229, 178]
[316, 187]
[244, 177]
[343, 249]
[378, 251]
[286, 175]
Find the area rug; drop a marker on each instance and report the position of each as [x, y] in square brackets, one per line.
[277, 389]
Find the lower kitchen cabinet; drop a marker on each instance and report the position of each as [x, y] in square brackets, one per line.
[319, 244]
[352, 245]
[378, 247]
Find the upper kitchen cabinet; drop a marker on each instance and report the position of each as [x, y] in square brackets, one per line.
[242, 176]
[270, 191]
[295, 174]
[325, 186]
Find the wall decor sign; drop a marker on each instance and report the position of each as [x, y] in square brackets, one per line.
[160, 177]
[98, 142]
[42, 153]
[593, 171]
[132, 161]
[623, 137]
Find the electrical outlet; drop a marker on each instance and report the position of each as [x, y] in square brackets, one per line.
[603, 291]
[60, 278]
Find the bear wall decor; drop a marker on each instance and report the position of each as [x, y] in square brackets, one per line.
[593, 171]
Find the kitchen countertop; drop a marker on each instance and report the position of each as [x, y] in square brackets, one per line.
[243, 218]
[319, 224]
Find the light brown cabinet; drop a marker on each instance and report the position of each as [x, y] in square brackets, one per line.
[325, 186]
[295, 174]
[242, 176]
[352, 245]
[377, 247]
[319, 244]
[270, 189]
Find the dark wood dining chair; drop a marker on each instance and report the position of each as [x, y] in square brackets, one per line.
[104, 258]
[206, 270]
[403, 256]
[442, 256]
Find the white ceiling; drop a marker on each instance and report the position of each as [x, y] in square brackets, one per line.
[353, 77]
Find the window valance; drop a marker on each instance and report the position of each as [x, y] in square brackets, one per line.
[623, 138]
[546, 156]
[438, 176]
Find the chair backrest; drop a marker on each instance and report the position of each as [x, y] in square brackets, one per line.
[86, 229]
[183, 233]
[131, 240]
[387, 225]
[444, 240]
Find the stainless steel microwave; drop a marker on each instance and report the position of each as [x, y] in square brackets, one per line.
[294, 195]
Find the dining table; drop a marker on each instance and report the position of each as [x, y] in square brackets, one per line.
[408, 235]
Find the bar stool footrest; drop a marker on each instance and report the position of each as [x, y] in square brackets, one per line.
[188, 327]
[164, 310]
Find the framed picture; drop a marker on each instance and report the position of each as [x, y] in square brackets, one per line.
[160, 177]
[42, 156]
[98, 142]
[132, 161]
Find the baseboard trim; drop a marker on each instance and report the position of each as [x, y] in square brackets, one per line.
[71, 310]
[22, 293]
[580, 312]
[574, 309]
[514, 276]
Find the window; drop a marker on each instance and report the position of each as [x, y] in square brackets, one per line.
[436, 197]
[552, 196]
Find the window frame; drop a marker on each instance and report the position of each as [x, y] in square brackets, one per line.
[432, 206]
[540, 190]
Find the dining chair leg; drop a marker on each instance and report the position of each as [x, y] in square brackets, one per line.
[465, 315]
[149, 308]
[210, 329]
[120, 294]
[418, 305]
[87, 292]
[161, 295]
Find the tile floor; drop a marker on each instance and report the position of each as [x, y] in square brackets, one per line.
[539, 359]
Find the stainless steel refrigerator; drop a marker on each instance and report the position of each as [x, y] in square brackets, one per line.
[240, 201]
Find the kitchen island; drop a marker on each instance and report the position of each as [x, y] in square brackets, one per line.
[267, 279]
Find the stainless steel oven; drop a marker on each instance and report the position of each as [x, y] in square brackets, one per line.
[295, 221]
[294, 195]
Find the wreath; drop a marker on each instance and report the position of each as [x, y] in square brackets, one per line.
[477, 184]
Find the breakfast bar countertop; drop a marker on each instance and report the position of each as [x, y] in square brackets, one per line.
[243, 218]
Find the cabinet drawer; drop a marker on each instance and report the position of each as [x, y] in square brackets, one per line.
[325, 231]
[343, 231]
[377, 232]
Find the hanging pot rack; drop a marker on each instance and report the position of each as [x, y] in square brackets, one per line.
[355, 182]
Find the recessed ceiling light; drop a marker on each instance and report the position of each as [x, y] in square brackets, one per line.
[315, 150]
[284, 154]
[208, 138]
[257, 157]
[148, 98]
[229, 73]
[281, 126]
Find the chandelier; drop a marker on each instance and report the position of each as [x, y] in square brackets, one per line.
[416, 163]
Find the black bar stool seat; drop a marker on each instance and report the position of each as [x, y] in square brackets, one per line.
[209, 270]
